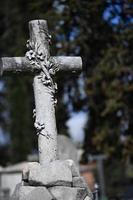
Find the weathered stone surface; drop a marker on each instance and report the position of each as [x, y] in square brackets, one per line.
[15, 195]
[21, 192]
[67, 193]
[39, 193]
[81, 194]
[54, 173]
[88, 198]
[79, 182]
[24, 191]
[52, 193]
[31, 193]
[26, 169]
[73, 167]
[66, 149]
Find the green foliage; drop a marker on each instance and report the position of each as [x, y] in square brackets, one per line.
[109, 87]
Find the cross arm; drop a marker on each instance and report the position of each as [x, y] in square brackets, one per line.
[22, 64]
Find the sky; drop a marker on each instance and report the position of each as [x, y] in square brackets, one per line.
[3, 138]
[76, 125]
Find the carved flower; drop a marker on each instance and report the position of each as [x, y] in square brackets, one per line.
[39, 127]
[40, 56]
[46, 82]
[28, 44]
[52, 71]
[30, 54]
[55, 102]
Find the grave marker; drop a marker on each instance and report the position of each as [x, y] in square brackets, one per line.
[38, 61]
[50, 178]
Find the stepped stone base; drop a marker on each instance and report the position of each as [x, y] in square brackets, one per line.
[58, 180]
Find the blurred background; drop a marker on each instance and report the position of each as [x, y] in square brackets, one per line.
[94, 108]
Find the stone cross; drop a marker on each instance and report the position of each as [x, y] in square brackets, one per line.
[44, 67]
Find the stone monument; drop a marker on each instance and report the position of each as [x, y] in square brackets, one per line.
[51, 178]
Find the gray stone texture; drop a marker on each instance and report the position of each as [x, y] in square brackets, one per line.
[15, 195]
[54, 181]
[51, 193]
[24, 191]
[73, 167]
[79, 182]
[67, 193]
[88, 198]
[54, 173]
[66, 149]
[21, 192]
[61, 178]
[31, 193]
[39, 193]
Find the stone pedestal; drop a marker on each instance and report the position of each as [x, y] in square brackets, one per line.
[58, 180]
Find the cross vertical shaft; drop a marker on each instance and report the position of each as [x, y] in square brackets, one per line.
[44, 91]
[45, 122]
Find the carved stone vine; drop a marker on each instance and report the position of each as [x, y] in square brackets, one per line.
[48, 68]
[39, 127]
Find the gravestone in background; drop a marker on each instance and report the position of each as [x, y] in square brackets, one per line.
[67, 149]
[51, 178]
